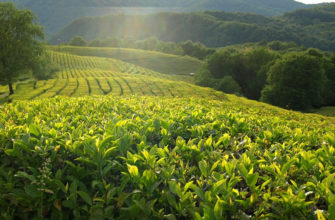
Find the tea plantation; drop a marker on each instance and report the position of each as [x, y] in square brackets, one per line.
[93, 75]
[147, 146]
[160, 62]
[109, 157]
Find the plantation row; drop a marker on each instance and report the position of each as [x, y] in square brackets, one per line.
[159, 62]
[112, 157]
[77, 66]
[125, 84]
[68, 61]
[86, 75]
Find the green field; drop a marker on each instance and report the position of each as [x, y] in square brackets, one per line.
[160, 62]
[107, 139]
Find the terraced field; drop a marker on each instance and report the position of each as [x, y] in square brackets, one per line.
[160, 62]
[89, 75]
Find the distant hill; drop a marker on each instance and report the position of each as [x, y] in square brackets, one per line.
[55, 14]
[307, 27]
[316, 15]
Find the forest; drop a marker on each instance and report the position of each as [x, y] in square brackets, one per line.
[53, 15]
[189, 48]
[313, 28]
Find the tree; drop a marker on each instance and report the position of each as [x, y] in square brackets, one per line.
[95, 43]
[252, 76]
[196, 49]
[150, 43]
[228, 85]
[77, 41]
[296, 81]
[20, 46]
[248, 67]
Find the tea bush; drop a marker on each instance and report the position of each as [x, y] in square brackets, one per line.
[133, 157]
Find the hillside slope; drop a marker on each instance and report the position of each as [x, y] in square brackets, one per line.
[55, 14]
[157, 157]
[214, 29]
[160, 62]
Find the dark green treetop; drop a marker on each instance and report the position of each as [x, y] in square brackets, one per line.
[77, 41]
[296, 81]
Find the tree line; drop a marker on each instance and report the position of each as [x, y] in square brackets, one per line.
[189, 48]
[277, 73]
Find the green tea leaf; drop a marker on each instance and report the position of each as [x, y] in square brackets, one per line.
[109, 150]
[32, 191]
[218, 209]
[252, 180]
[175, 188]
[68, 204]
[209, 142]
[203, 168]
[25, 175]
[85, 197]
[170, 217]
[133, 171]
[107, 141]
[34, 130]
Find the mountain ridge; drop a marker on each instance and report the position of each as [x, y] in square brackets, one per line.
[212, 28]
[55, 14]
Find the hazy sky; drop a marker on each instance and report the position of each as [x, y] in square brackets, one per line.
[314, 1]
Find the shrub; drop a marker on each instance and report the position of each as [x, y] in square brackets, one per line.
[229, 85]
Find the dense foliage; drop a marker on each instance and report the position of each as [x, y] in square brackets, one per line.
[214, 29]
[244, 66]
[278, 73]
[117, 158]
[296, 81]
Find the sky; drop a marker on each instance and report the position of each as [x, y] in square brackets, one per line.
[314, 1]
